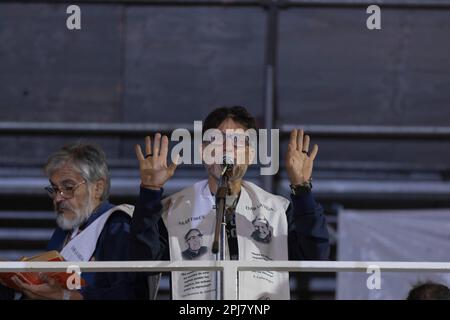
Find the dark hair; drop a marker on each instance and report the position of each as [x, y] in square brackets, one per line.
[186, 237]
[237, 113]
[263, 219]
[429, 291]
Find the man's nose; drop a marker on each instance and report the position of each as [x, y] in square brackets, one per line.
[229, 148]
[58, 197]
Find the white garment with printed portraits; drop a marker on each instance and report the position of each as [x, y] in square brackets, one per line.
[193, 208]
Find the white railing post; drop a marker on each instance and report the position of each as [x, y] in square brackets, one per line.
[229, 277]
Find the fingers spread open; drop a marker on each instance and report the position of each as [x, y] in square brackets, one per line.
[293, 140]
[300, 140]
[164, 148]
[306, 140]
[174, 164]
[148, 145]
[138, 150]
[157, 145]
[314, 152]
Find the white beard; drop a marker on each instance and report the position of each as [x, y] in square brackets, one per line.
[81, 216]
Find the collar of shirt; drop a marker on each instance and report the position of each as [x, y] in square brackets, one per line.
[101, 209]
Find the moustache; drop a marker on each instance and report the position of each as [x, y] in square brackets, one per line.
[61, 206]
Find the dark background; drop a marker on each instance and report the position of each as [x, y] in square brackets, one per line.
[376, 101]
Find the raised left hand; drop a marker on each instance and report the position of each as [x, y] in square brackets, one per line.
[299, 162]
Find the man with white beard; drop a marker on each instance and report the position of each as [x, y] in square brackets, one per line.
[89, 227]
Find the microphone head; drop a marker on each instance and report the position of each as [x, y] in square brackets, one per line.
[227, 165]
[228, 161]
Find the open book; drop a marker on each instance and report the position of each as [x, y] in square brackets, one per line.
[33, 277]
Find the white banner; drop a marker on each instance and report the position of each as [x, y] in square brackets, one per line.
[395, 235]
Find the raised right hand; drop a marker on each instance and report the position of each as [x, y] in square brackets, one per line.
[153, 166]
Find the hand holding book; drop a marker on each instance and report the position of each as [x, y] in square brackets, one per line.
[51, 285]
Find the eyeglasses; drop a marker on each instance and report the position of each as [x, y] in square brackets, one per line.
[238, 139]
[67, 192]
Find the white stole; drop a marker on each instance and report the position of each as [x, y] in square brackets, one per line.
[82, 246]
[193, 208]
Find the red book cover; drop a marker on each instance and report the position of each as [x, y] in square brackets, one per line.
[33, 277]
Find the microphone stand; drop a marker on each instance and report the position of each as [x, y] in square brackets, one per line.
[218, 247]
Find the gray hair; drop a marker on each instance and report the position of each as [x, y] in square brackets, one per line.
[87, 159]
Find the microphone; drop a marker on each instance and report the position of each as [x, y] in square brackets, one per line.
[227, 165]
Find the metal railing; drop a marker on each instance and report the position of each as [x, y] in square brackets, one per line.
[229, 269]
[141, 129]
[281, 3]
